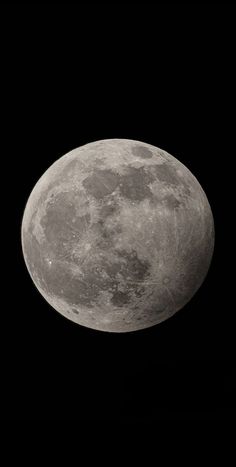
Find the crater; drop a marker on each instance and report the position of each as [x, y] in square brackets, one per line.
[142, 151]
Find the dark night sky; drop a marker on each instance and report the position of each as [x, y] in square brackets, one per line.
[161, 75]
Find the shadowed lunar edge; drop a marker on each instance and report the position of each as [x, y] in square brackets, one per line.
[117, 235]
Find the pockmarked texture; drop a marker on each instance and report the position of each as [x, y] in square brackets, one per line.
[117, 235]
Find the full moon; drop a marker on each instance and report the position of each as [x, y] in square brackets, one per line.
[117, 235]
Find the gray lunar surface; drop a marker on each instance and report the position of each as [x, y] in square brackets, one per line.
[117, 235]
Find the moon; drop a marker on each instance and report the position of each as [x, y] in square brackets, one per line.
[117, 235]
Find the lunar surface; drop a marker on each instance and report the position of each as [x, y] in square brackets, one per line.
[117, 235]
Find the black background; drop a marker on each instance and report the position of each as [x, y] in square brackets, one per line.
[72, 75]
